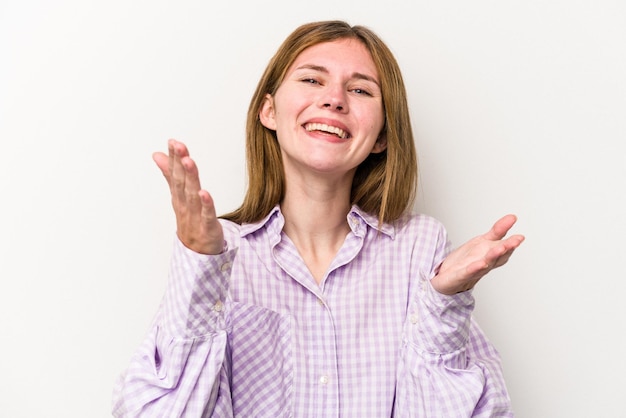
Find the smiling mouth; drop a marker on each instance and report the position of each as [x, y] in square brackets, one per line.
[322, 127]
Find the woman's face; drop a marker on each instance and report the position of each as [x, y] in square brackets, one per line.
[328, 111]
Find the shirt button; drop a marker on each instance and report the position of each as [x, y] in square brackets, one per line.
[413, 318]
[324, 380]
[321, 302]
[218, 306]
[224, 267]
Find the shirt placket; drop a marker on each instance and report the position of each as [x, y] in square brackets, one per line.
[320, 338]
[324, 365]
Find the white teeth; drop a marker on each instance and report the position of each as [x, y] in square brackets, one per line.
[326, 128]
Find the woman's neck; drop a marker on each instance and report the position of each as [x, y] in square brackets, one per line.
[315, 221]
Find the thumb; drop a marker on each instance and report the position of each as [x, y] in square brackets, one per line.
[162, 162]
[501, 228]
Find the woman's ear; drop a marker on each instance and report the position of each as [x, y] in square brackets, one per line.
[267, 113]
[381, 144]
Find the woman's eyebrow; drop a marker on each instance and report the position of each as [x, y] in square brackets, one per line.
[323, 69]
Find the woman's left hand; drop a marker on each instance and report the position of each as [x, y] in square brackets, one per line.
[466, 265]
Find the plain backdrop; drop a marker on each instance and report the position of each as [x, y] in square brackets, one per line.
[518, 107]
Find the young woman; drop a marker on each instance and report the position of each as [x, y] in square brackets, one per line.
[322, 295]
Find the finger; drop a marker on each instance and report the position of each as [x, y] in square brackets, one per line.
[215, 244]
[504, 259]
[476, 269]
[501, 228]
[161, 161]
[501, 250]
[512, 242]
[192, 178]
[207, 213]
[499, 255]
[177, 151]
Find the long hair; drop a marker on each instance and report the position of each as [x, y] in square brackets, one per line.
[384, 184]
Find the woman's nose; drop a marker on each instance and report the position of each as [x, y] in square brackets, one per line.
[334, 98]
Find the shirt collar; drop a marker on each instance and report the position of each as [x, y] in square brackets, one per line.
[273, 219]
[357, 219]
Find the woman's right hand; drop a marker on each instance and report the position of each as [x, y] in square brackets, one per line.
[197, 225]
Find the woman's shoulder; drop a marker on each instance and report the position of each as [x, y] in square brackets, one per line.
[418, 223]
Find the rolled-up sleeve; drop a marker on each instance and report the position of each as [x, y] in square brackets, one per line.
[448, 368]
[179, 368]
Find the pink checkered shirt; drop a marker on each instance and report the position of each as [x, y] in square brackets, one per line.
[249, 333]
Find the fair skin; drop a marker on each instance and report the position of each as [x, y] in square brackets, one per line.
[327, 115]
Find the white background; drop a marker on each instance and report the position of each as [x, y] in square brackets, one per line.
[518, 106]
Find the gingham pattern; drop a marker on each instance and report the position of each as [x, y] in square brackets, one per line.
[250, 334]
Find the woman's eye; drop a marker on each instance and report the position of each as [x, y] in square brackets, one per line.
[310, 81]
[362, 91]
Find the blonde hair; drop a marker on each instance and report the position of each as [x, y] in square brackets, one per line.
[384, 184]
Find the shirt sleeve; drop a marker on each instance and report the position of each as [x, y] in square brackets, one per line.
[448, 368]
[180, 369]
